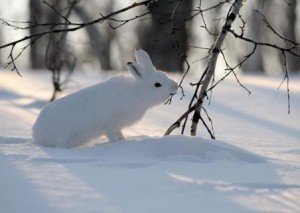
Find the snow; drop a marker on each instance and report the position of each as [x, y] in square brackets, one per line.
[253, 166]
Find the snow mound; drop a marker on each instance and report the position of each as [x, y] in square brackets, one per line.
[129, 176]
[143, 152]
[179, 148]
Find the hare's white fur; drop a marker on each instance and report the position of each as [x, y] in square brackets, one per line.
[105, 108]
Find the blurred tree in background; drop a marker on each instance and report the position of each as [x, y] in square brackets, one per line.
[39, 13]
[158, 36]
[255, 63]
[180, 35]
[99, 42]
[168, 32]
[291, 32]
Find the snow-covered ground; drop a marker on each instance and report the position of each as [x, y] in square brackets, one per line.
[254, 166]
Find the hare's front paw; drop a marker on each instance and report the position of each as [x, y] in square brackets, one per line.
[115, 136]
[120, 135]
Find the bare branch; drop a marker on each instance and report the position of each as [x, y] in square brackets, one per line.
[287, 79]
[70, 26]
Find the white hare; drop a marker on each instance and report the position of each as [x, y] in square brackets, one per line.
[105, 108]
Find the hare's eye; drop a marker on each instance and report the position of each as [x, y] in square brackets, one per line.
[157, 84]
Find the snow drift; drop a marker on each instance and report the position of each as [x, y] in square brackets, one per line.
[255, 169]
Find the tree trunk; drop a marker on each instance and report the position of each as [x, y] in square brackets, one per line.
[1, 42]
[40, 13]
[164, 52]
[99, 44]
[255, 62]
[37, 13]
[292, 62]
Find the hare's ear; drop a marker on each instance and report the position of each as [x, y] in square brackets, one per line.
[143, 58]
[136, 70]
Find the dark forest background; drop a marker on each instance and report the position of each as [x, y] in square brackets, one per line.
[101, 48]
